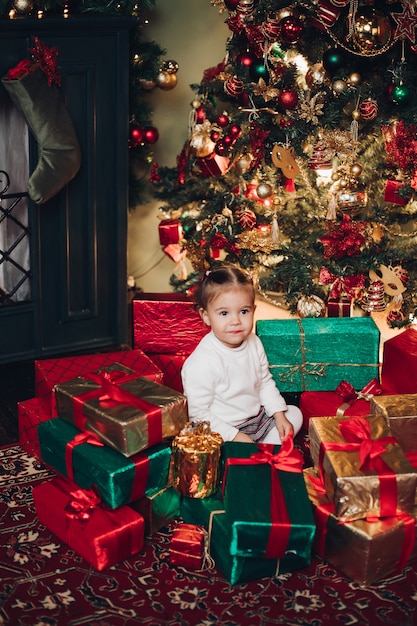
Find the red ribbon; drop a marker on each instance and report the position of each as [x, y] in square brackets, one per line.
[350, 396]
[111, 394]
[82, 504]
[341, 284]
[287, 459]
[90, 438]
[357, 434]
[21, 69]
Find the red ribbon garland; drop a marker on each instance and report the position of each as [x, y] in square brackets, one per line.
[110, 394]
[357, 434]
[287, 459]
[341, 284]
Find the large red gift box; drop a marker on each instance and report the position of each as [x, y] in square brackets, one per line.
[51, 372]
[345, 401]
[166, 323]
[399, 365]
[30, 413]
[102, 536]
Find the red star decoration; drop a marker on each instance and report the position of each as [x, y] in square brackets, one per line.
[406, 24]
[47, 59]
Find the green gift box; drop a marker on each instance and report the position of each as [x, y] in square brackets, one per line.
[127, 412]
[209, 512]
[118, 480]
[313, 354]
[274, 519]
[158, 508]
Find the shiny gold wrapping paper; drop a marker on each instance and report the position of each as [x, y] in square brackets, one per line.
[356, 493]
[400, 411]
[364, 551]
[123, 426]
[195, 460]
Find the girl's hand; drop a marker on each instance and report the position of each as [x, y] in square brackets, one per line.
[283, 425]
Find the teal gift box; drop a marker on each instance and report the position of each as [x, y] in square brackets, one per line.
[274, 518]
[119, 480]
[316, 354]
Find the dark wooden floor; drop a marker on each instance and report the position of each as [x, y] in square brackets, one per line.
[16, 384]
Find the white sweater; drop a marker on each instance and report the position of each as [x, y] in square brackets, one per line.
[225, 385]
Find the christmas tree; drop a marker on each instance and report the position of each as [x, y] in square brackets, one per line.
[301, 158]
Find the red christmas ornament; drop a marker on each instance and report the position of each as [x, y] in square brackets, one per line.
[288, 99]
[234, 131]
[150, 134]
[271, 28]
[215, 135]
[135, 135]
[368, 110]
[246, 219]
[200, 115]
[220, 148]
[223, 120]
[233, 86]
[291, 29]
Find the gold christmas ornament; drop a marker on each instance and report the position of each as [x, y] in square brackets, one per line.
[311, 306]
[166, 81]
[354, 79]
[243, 162]
[23, 7]
[356, 170]
[264, 190]
[339, 86]
[170, 66]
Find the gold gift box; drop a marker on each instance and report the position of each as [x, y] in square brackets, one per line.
[400, 411]
[366, 552]
[120, 425]
[355, 492]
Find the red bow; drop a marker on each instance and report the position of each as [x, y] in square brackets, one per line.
[348, 393]
[341, 284]
[81, 504]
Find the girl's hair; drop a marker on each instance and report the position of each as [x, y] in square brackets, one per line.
[221, 277]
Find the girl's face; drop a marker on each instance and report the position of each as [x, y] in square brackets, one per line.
[230, 315]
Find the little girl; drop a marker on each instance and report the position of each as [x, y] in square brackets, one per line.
[227, 379]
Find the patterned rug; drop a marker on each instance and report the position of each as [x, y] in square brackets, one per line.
[45, 583]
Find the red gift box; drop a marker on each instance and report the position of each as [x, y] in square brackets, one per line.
[339, 307]
[30, 413]
[102, 536]
[187, 547]
[213, 165]
[399, 364]
[391, 193]
[51, 372]
[170, 231]
[343, 402]
[166, 323]
[171, 366]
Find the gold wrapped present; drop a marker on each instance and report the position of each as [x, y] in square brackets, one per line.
[365, 551]
[127, 412]
[195, 460]
[363, 468]
[400, 411]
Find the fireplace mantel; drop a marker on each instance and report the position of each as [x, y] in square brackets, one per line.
[78, 238]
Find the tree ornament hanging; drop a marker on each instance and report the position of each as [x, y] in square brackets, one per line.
[24, 7]
[333, 60]
[369, 29]
[150, 134]
[311, 306]
[291, 29]
[246, 219]
[264, 190]
[374, 298]
[271, 28]
[316, 76]
[368, 109]
[166, 80]
[245, 8]
[406, 23]
[288, 99]
[234, 86]
[400, 94]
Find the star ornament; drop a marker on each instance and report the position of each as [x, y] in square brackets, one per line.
[406, 24]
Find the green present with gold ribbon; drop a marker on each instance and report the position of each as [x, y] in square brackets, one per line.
[85, 460]
[315, 354]
[274, 518]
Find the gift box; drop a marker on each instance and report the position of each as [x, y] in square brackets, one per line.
[209, 512]
[316, 354]
[103, 537]
[171, 366]
[365, 551]
[213, 164]
[30, 413]
[88, 462]
[51, 372]
[127, 413]
[195, 460]
[345, 401]
[391, 194]
[363, 468]
[158, 509]
[400, 411]
[339, 307]
[399, 364]
[170, 231]
[274, 518]
[188, 546]
[166, 323]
